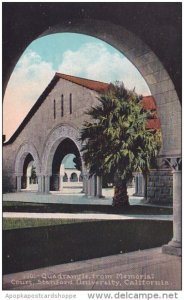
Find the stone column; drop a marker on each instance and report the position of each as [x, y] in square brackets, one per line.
[93, 186]
[89, 187]
[39, 177]
[61, 183]
[42, 184]
[174, 246]
[18, 183]
[136, 184]
[47, 184]
[85, 184]
[99, 186]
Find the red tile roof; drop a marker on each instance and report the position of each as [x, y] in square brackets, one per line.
[153, 124]
[148, 102]
[88, 83]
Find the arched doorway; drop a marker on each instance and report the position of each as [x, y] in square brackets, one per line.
[63, 140]
[63, 165]
[73, 177]
[27, 168]
[29, 178]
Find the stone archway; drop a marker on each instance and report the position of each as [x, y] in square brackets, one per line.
[151, 68]
[56, 136]
[24, 150]
[147, 63]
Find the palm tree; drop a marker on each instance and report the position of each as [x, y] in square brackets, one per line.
[116, 142]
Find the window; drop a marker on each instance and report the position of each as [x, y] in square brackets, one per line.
[70, 103]
[62, 106]
[54, 108]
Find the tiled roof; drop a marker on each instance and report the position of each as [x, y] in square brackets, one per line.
[148, 102]
[153, 124]
[88, 83]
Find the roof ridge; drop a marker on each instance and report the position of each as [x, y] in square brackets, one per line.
[82, 78]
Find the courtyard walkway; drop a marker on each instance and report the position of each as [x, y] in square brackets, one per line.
[86, 216]
[140, 270]
[76, 198]
[72, 196]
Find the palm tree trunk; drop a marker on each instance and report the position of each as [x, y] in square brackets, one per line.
[120, 198]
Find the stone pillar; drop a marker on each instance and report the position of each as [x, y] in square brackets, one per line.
[60, 183]
[174, 246]
[136, 184]
[85, 184]
[89, 187]
[39, 177]
[18, 183]
[93, 186]
[99, 186]
[42, 184]
[47, 184]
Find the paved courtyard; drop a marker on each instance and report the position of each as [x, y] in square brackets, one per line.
[77, 198]
[71, 196]
[141, 270]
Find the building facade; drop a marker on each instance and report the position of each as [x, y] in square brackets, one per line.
[51, 130]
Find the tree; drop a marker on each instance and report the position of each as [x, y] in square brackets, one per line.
[77, 162]
[116, 142]
[33, 174]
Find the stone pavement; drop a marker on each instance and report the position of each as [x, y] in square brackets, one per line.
[86, 216]
[140, 270]
[70, 196]
[77, 199]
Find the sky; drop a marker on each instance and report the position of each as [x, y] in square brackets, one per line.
[68, 161]
[69, 53]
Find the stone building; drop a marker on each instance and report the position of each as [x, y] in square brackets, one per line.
[50, 131]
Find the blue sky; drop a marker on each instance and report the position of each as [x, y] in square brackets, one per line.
[68, 53]
[52, 47]
[68, 161]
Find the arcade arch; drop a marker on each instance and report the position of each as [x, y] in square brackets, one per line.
[62, 140]
[29, 178]
[26, 154]
[65, 149]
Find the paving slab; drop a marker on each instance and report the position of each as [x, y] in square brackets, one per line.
[140, 270]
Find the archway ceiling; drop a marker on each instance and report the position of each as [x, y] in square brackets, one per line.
[157, 24]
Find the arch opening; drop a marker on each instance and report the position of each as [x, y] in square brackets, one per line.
[29, 180]
[66, 167]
